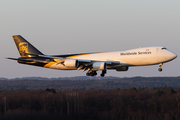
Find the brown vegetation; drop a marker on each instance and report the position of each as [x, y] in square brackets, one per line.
[106, 104]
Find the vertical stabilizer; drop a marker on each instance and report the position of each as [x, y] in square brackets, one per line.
[24, 46]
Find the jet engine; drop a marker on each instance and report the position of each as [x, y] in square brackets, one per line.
[99, 66]
[71, 63]
[122, 69]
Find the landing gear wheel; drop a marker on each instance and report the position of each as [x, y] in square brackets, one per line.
[94, 72]
[88, 74]
[91, 73]
[160, 69]
[104, 71]
[102, 75]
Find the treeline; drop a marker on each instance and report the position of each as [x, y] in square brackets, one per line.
[160, 103]
[89, 83]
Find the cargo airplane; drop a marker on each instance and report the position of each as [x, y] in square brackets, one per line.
[92, 62]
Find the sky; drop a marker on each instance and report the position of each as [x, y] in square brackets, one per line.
[77, 26]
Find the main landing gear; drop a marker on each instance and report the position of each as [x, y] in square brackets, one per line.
[93, 73]
[160, 69]
[103, 73]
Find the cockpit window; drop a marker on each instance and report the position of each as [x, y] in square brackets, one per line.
[163, 48]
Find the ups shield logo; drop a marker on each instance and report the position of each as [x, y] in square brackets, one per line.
[23, 47]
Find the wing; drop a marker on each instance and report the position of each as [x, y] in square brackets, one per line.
[83, 64]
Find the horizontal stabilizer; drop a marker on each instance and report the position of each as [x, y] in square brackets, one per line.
[21, 59]
[12, 58]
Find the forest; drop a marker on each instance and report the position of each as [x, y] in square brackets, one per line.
[161, 103]
[137, 98]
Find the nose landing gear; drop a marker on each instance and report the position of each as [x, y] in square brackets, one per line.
[160, 69]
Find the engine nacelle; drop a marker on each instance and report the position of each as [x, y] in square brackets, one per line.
[122, 69]
[71, 63]
[99, 66]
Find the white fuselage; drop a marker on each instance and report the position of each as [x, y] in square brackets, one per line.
[134, 57]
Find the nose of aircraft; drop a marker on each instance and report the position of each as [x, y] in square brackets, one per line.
[172, 55]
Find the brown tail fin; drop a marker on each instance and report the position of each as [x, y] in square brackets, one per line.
[24, 46]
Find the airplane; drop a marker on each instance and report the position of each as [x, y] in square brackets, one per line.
[95, 61]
